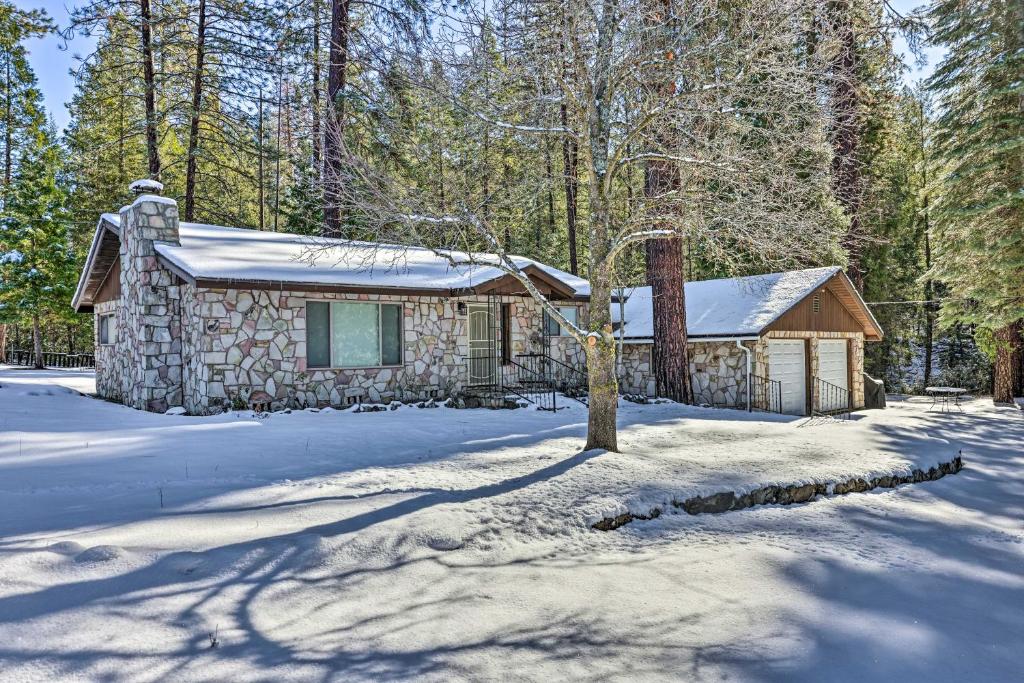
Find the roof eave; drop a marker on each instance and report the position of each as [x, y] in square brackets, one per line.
[102, 226]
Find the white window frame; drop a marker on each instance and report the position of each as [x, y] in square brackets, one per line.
[106, 322]
[380, 337]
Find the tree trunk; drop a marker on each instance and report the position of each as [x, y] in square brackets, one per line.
[315, 100]
[3, 343]
[665, 275]
[570, 157]
[570, 163]
[846, 135]
[603, 398]
[259, 164]
[335, 116]
[193, 134]
[8, 124]
[671, 354]
[37, 342]
[1009, 352]
[603, 386]
[929, 308]
[150, 85]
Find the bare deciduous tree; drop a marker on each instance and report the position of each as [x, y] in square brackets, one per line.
[741, 133]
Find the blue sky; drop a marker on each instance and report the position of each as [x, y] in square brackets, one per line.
[52, 64]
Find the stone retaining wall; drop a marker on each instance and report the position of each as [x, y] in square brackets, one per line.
[786, 494]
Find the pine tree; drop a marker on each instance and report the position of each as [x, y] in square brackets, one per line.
[38, 269]
[979, 251]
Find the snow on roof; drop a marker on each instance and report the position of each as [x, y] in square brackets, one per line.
[221, 253]
[146, 185]
[740, 306]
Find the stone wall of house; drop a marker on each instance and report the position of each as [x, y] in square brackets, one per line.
[247, 347]
[717, 370]
[110, 360]
[761, 365]
[144, 368]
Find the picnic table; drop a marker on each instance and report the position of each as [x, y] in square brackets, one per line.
[946, 397]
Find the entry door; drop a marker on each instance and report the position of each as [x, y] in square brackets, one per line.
[787, 365]
[483, 363]
[832, 368]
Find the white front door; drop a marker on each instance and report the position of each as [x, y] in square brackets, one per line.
[483, 365]
[832, 368]
[787, 365]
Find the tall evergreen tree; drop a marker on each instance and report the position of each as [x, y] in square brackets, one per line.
[979, 250]
[38, 268]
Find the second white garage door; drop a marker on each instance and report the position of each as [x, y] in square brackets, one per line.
[832, 368]
[787, 365]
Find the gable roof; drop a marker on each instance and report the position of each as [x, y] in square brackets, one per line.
[744, 306]
[212, 255]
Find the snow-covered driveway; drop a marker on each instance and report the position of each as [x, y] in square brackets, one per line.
[448, 544]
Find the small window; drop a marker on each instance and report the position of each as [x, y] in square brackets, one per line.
[551, 326]
[816, 304]
[353, 335]
[106, 329]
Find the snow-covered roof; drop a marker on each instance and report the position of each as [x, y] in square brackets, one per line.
[211, 252]
[728, 307]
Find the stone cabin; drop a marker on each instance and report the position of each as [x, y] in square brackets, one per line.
[211, 318]
[797, 336]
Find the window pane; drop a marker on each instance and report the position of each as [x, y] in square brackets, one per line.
[391, 334]
[318, 338]
[111, 330]
[101, 328]
[355, 335]
[569, 313]
[551, 327]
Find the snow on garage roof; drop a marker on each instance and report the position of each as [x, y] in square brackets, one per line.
[733, 307]
[212, 252]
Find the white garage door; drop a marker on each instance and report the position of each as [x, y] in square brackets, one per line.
[786, 365]
[832, 368]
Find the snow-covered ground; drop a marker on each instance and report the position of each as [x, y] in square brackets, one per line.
[446, 544]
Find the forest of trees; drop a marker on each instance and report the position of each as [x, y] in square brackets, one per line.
[630, 141]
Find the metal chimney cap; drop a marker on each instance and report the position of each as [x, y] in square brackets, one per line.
[146, 186]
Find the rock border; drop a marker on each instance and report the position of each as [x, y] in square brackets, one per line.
[727, 501]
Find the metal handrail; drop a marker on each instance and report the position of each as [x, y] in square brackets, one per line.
[533, 377]
[565, 378]
[830, 399]
[766, 394]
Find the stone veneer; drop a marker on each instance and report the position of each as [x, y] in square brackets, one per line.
[144, 368]
[249, 347]
[718, 371]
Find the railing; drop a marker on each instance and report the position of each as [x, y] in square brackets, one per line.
[533, 377]
[830, 399]
[52, 360]
[566, 379]
[765, 394]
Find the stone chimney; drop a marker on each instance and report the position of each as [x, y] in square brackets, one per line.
[150, 301]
